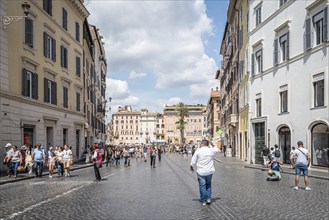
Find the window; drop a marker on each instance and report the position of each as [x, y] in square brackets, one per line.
[64, 57]
[78, 101]
[77, 31]
[247, 25]
[258, 56]
[284, 47]
[48, 6]
[320, 144]
[258, 107]
[245, 101]
[30, 84]
[258, 16]
[282, 2]
[281, 48]
[29, 32]
[64, 19]
[49, 44]
[65, 97]
[50, 93]
[318, 88]
[320, 23]
[284, 101]
[78, 66]
[65, 135]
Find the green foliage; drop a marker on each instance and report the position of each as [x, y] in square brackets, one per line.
[182, 112]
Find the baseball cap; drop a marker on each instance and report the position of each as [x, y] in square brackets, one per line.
[8, 145]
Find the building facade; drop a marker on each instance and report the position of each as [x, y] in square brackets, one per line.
[148, 126]
[229, 81]
[213, 123]
[126, 126]
[243, 80]
[39, 98]
[289, 91]
[195, 128]
[160, 129]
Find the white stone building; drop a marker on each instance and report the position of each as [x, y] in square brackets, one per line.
[148, 126]
[289, 92]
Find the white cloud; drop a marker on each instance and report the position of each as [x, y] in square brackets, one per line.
[164, 38]
[134, 75]
[119, 92]
[162, 42]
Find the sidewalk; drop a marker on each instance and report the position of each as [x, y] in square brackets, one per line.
[25, 176]
[313, 172]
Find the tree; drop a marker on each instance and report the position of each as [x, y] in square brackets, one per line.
[182, 111]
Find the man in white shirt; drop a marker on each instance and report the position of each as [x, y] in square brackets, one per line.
[302, 161]
[203, 159]
[67, 160]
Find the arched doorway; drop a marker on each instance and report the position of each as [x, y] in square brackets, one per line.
[320, 144]
[285, 143]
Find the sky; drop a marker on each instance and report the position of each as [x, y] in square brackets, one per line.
[159, 52]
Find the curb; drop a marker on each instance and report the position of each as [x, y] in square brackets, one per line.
[310, 175]
[44, 174]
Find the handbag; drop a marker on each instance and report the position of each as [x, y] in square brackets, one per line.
[20, 169]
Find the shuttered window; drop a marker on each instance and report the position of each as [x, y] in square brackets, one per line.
[29, 84]
[48, 6]
[64, 19]
[78, 101]
[78, 66]
[50, 91]
[64, 57]
[49, 45]
[77, 31]
[29, 32]
[65, 97]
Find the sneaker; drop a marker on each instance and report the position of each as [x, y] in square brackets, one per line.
[307, 188]
[50, 176]
[295, 188]
[208, 201]
[204, 204]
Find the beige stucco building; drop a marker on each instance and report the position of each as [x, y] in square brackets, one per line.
[195, 129]
[42, 81]
[213, 123]
[126, 126]
[95, 68]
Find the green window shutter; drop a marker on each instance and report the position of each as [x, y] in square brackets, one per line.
[53, 49]
[34, 86]
[325, 24]
[308, 34]
[54, 93]
[24, 83]
[46, 97]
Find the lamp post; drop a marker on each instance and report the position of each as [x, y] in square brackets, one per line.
[6, 20]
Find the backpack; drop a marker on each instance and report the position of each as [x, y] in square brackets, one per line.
[277, 153]
[275, 166]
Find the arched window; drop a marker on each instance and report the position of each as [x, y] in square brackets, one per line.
[320, 144]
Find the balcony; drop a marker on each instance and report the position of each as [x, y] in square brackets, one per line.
[233, 120]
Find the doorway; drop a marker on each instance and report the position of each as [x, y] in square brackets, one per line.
[245, 146]
[50, 136]
[259, 131]
[29, 135]
[285, 143]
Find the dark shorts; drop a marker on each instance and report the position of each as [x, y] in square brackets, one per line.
[301, 168]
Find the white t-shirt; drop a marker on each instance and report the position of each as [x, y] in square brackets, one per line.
[203, 159]
[300, 157]
[67, 154]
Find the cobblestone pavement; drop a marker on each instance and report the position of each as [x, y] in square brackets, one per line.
[167, 192]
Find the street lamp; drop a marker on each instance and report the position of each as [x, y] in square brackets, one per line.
[6, 20]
